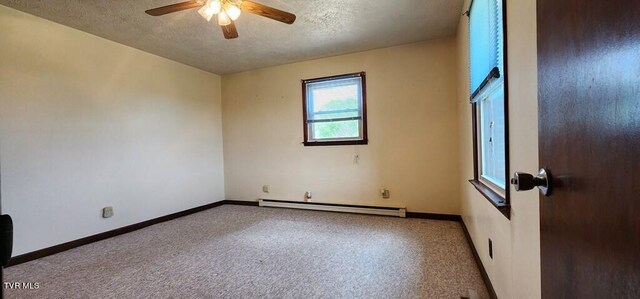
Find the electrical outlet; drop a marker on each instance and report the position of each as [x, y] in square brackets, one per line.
[385, 193]
[490, 249]
[307, 196]
[107, 212]
[265, 188]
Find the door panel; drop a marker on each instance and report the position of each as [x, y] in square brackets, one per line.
[1, 267]
[589, 138]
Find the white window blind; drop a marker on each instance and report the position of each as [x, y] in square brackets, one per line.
[485, 43]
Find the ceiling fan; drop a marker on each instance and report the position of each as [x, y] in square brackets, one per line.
[227, 11]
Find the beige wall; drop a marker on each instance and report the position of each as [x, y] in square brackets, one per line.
[412, 115]
[87, 123]
[515, 267]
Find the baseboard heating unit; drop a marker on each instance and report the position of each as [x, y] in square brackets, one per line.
[317, 206]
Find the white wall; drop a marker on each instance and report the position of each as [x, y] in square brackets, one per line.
[515, 267]
[87, 123]
[412, 121]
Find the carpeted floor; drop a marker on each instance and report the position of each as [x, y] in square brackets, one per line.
[251, 252]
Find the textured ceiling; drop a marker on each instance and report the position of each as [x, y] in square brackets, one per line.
[323, 28]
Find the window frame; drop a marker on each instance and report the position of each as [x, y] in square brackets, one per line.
[331, 142]
[498, 197]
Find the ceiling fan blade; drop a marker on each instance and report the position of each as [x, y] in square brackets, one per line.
[269, 12]
[230, 31]
[174, 8]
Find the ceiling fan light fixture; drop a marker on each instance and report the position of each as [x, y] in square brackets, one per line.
[203, 12]
[211, 8]
[223, 18]
[215, 6]
[232, 10]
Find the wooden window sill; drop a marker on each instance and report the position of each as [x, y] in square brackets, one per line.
[498, 201]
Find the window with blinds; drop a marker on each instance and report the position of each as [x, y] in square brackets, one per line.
[334, 110]
[487, 89]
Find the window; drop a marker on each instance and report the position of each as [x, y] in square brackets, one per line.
[335, 110]
[488, 96]
[492, 141]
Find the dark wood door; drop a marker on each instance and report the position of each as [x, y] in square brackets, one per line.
[1, 267]
[589, 138]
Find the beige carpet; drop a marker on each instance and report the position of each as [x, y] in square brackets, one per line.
[251, 252]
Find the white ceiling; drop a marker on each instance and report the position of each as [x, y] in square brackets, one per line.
[323, 28]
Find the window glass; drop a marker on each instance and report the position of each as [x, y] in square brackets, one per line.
[492, 136]
[334, 108]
